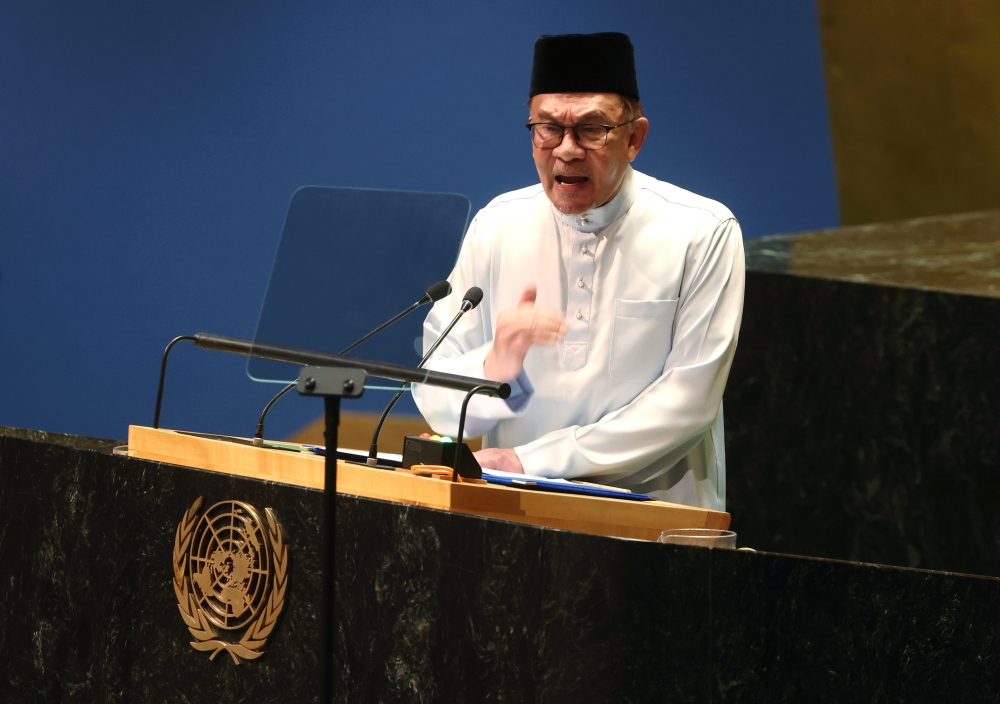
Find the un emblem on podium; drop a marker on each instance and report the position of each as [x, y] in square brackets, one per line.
[230, 574]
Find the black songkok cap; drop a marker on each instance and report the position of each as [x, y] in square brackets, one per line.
[584, 63]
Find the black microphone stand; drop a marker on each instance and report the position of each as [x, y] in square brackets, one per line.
[460, 450]
[163, 376]
[331, 383]
[334, 377]
[472, 299]
[434, 293]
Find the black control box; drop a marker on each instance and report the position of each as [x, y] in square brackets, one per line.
[418, 450]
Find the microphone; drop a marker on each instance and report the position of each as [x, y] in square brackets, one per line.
[434, 293]
[473, 297]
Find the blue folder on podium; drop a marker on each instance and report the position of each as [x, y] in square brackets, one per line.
[563, 486]
[492, 476]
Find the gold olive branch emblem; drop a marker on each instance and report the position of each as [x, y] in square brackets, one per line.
[254, 639]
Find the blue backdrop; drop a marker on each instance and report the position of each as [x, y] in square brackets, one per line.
[148, 152]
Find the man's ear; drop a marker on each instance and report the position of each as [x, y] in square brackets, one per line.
[639, 130]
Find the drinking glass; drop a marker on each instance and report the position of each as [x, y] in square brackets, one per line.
[705, 537]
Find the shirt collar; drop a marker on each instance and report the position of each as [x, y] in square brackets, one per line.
[596, 219]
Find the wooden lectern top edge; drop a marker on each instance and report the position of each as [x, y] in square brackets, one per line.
[589, 514]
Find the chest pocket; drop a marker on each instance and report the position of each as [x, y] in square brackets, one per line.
[640, 341]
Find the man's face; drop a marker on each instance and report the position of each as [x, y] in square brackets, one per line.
[577, 179]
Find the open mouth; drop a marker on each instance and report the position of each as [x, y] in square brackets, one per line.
[571, 180]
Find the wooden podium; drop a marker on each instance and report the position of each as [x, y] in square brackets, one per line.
[439, 605]
[642, 520]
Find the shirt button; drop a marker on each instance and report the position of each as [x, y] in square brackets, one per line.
[579, 315]
[580, 283]
[584, 249]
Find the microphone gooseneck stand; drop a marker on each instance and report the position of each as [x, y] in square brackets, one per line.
[461, 427]
[334, 376]
[163, 376]
[473, 297]
[434, 293]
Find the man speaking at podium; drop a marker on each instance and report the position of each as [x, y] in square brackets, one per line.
[612, 300]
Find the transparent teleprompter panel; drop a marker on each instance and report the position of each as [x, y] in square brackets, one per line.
[348, 260]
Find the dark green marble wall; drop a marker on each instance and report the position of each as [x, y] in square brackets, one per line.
[438, 607]
[952, 253]
[863, 406]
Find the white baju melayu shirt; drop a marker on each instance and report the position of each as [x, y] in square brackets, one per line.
[652, 288]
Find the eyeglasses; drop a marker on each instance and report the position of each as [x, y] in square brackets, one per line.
[548, 135]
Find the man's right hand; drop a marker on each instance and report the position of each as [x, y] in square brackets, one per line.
[517, 330]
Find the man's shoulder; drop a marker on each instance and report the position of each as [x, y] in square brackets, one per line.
[658, 194]
[508, 213]
[521, 198]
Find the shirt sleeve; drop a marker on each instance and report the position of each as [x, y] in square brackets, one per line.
[464, 350]
[672, 415]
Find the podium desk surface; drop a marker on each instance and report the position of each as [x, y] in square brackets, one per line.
[642, 520]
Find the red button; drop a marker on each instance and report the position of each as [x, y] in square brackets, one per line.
[426, 436]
